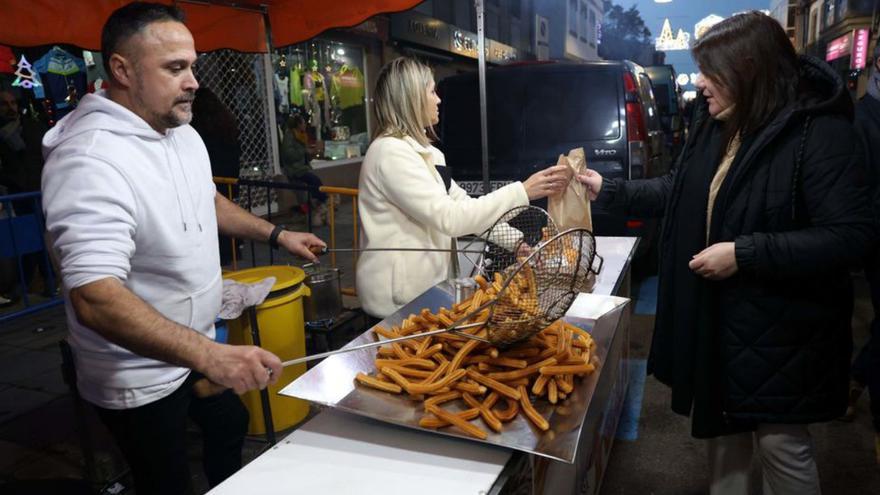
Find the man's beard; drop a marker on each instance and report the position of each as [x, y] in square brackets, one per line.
[169, 119]
[178, 118]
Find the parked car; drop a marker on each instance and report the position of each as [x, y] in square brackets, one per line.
[537, 111]
[669, 104]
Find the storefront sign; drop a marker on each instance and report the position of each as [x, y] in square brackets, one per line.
[465, 43]
[376, 27]
[421, 29]
[437, 34]
[838, 47]
[860, 49]
[499, 53]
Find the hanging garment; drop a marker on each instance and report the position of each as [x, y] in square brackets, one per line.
[281, 89]
[296, 87]
[347, 85]
[64, 79]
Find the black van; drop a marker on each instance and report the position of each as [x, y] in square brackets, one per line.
[537, 111]
[668, 97]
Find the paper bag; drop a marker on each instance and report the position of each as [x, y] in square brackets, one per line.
[571, 209]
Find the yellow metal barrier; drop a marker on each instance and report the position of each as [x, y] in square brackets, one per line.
[335, 194]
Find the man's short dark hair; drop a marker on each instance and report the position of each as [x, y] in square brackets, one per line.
[128, 21]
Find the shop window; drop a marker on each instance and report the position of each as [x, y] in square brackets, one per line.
[324, 81]
[828, 16]
[840, 9]
[516, 8]
[582, 23]
[592, 27]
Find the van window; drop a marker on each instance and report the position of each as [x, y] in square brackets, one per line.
[572, 107]
[652, 121]
[532, 115]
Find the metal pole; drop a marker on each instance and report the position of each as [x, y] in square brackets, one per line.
[268, 75]
[484, 133]
[264, 393]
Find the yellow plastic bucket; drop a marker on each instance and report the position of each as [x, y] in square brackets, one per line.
[282, 332]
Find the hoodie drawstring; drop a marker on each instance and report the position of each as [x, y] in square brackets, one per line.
[192, 201]
[177, 189]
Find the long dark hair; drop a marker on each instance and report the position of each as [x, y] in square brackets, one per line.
[753, 60]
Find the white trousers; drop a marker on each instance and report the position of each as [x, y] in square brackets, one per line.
[786, 454]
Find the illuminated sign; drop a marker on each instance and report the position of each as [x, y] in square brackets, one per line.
[838, 47]
[465, 43]
[860, 49]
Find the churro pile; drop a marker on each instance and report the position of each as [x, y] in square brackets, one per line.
[490, 383]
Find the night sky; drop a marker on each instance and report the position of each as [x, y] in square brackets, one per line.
[685, 14]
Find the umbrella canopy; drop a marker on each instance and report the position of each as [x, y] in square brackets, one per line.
[215, 24]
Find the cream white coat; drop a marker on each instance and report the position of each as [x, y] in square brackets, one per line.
[403, 203]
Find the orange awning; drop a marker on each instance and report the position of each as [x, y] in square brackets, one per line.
[214, 23]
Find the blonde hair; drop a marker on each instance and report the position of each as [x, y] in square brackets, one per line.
[400, 104]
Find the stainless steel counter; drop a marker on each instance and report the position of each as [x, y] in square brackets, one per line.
[342, 453]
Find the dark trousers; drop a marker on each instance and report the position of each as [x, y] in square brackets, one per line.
[153, 438]
[866, 367]
[314, 182]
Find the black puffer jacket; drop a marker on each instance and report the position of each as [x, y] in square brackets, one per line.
[772, 343]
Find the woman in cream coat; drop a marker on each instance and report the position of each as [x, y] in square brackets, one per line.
[407, 199]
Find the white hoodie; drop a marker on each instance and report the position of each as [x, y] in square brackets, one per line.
[124, 201]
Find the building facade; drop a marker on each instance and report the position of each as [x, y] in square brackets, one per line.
[841, 32]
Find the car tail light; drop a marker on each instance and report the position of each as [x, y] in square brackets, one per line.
[634, 224]
[636, 132]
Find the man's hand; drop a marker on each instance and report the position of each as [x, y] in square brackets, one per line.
[241, 367]
[716, 262]
[301, 244]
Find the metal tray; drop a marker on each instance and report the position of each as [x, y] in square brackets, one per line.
[332, 383]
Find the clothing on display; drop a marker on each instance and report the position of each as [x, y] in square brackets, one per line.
[296, 87]
[98, 84]
[64, 79]
[347, 86]
[281, 93]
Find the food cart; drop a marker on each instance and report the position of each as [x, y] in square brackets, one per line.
[340, 452]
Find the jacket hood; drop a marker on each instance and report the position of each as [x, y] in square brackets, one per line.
[97, 112]
[822, 90]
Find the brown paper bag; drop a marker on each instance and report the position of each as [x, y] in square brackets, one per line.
[571, 209]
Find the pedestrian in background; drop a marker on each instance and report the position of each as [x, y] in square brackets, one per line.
[763, 217]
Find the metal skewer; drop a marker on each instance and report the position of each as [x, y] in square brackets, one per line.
[322, 355]
[421, 250]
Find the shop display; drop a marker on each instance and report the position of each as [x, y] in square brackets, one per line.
[324, 81]
[64, 78]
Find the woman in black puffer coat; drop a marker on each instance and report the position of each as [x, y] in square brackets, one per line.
[763, 215]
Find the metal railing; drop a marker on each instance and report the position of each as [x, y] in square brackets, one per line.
[22, 245]
[336, 197]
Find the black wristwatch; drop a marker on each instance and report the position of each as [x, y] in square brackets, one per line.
[273, 237]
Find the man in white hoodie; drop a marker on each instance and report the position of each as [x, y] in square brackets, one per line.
[134, 217]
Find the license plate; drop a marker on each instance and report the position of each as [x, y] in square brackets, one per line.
[475, 187]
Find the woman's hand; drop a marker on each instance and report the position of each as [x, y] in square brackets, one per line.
[716, 262]
[548, 182]
[593, 181]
